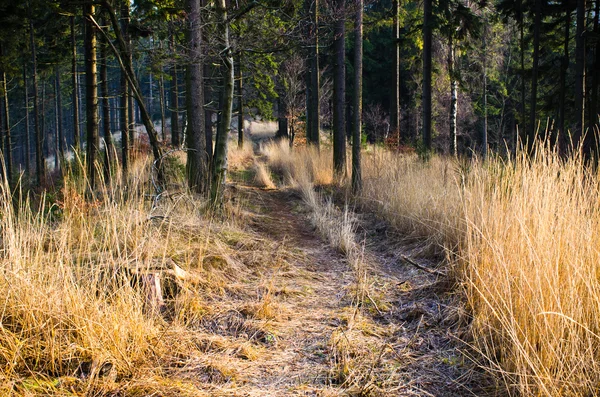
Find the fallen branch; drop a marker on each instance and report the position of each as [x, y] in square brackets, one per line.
[423, 268]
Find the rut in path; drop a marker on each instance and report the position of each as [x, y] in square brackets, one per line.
[401, 340]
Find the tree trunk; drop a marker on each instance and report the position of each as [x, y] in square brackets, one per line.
[220, 157]
[197, 164]
[579, 76]
[427, 15]
[75, 95]
[108, 144]
[339, 91]
[40, 164]
[534, 76]
[208, 114]
[240, 104]
[453, 98]
[523, 129]
[123, 55]
[124, 95]
[593, 111]
[60, 132]
[163, 118]
[91, 95]
[174, 108]
[395, 102]
[484, 131]
[7, 137]
[27, 130]
[282, 121]
[564, 68]
[358, 69]
[314, 115]
[175, 141]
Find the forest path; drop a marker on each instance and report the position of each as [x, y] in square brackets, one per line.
[400, 340]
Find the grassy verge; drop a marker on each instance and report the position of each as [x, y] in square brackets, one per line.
[75, 319]
[522, 236]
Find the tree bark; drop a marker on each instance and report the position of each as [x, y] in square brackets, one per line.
[40, 164]
[108, 144]
[282, 121]
[339, 91]
[175, 141]
[427, 15]
[314, 75]
[579, 76]
[75, 94]
[7, 136]
[564, 68]
[534, 75]
[358, 70]
[395, 102]
[208, 114]
[484, 130]
[91, 95]
[453, 97]
[220, 156]
[124, 95]
[523, 129]
[197, 163]
[163, 118]
[27, 129]
[240, 103]
[593, 111]
[59, 118]
[174, 108]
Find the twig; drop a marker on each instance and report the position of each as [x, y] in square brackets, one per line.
[415, 264]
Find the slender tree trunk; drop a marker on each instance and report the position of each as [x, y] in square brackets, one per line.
[40, 164]
[358, 83]
[27, 130]
[163, 118]
[91, 95]
[8, 158]
[208, 115]
[564, 68]
[593, 110]
[534, 76]
[312, 73]
[197, 163]
[75, 83]
[220, 156]
[579, 76]
[427, 15]
[484, 131]
[124, 95]
[60, 132]
[453, 97]
[107, 134]
[395, 102]
[240, 103]
[124, 58]
[124, 121]
[523, 129]
[174, 108]
[339, 91]
[282, 121]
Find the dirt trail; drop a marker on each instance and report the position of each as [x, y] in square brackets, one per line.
[402, 341]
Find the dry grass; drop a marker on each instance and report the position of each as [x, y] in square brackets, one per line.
[532, 267]
[74, 321]
[523, 235]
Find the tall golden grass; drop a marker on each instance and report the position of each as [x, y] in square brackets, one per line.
[522, 234]
[73, 321]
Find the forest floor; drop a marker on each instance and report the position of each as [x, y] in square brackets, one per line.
[402, 339]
